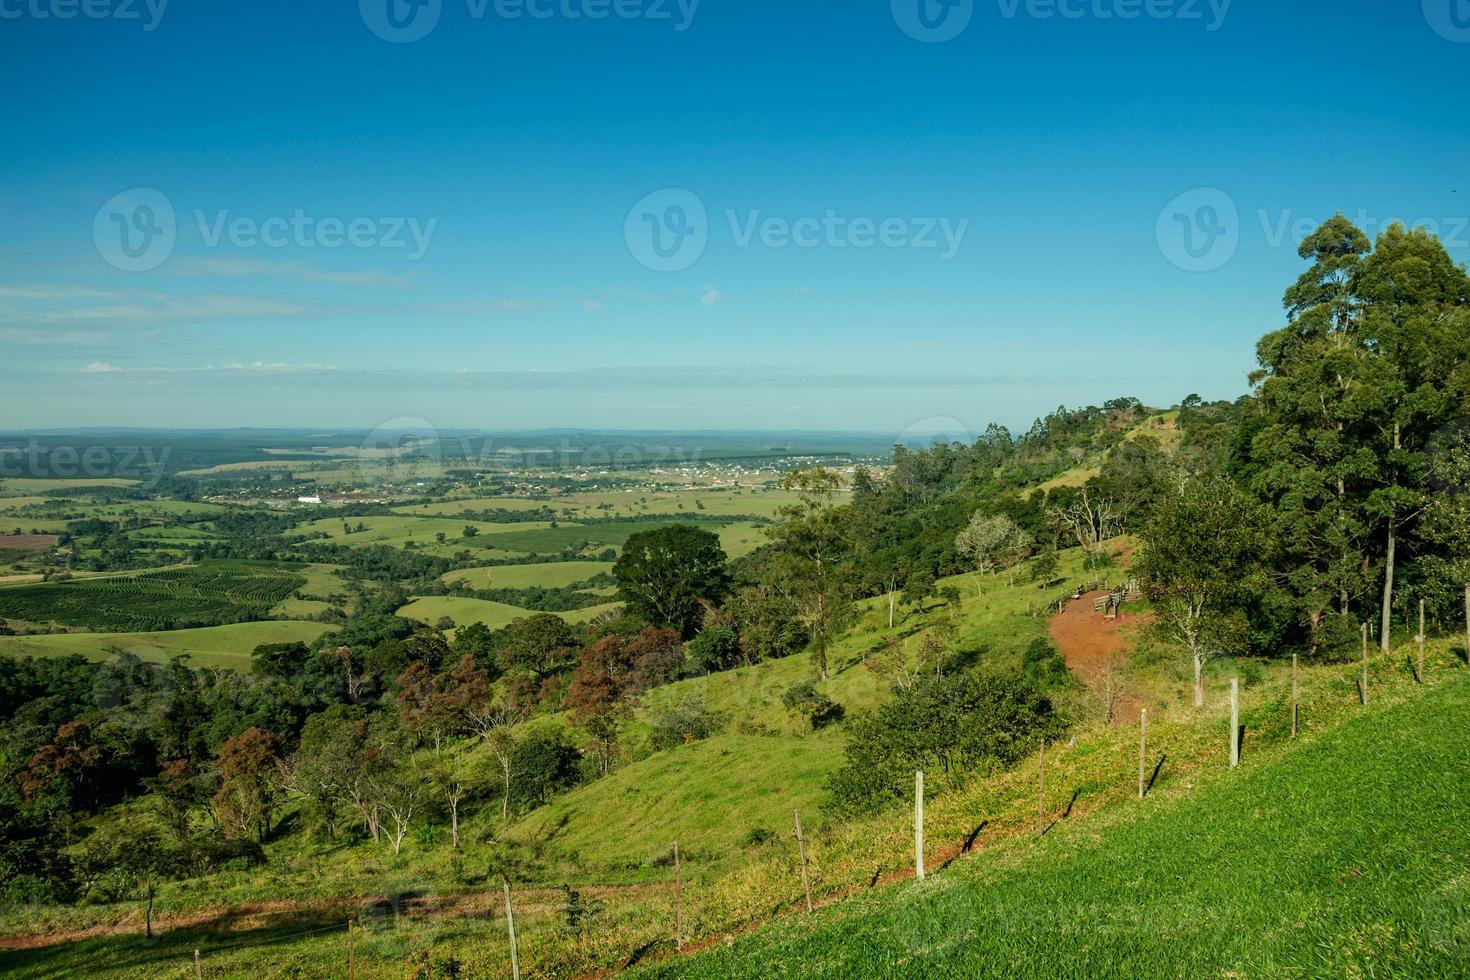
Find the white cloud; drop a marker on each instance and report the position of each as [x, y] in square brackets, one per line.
[306, 271]
[711, 296]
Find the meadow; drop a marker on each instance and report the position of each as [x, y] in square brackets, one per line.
[213, 646]
[464, 611]
[543, 575]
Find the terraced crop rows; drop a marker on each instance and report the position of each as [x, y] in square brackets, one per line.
[209, 595]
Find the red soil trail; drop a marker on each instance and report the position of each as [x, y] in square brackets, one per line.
[1087, 640]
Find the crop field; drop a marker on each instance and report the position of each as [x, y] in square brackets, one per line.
[450, 508]
[544, 575]
[211, 646]
[553, 540]
[27, 486]
[495, 615]
[397, 531]
[206, 595]
[27, 542]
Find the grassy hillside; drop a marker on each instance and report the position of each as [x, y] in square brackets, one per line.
[1345, 856]
[718, 796]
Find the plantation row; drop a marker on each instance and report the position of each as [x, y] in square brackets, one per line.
[210, 595]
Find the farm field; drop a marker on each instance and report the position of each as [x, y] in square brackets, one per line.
[748, 502]
[397, 531]
[204, 595]
[545, 540]
[213, 646]
[430, 609]
[29, 486]
[16, 503]
[26, 542]
[545, 575]
[451, 508]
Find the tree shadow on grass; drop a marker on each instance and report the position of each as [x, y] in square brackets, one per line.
[172, 954]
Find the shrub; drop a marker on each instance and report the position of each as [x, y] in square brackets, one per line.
[951, 727]
[714, 649]
[688, 721]
[804, 699]
[1043, 665]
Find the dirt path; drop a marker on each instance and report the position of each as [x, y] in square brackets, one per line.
[1087, 640]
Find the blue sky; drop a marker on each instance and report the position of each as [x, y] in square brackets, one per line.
[1061, 144]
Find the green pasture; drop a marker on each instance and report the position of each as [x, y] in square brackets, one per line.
[542, 575]
[213, 646]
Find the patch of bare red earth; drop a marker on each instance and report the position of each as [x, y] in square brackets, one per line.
[1088, 640]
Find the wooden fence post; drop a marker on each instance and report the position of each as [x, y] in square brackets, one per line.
[1467, 625]
[806, 884]
[198, 970]
[678, 902]
[1295, 708]
[1142, 748]
[510, 925]
[1363, 684]
[1041, 789]
[919, 824]
[1234, 722]
[1420, 640]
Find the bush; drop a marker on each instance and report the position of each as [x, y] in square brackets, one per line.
[951, 727]
[714, 649]
[757, 836]
[1043, 665]
[688, 721]
[820, 710]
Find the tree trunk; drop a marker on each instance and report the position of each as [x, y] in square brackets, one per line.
[454, 823]
[1386, 625]
[1199, 680]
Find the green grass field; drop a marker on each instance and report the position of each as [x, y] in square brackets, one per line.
[1345, 856]
[430, 609]
[630, 819]
[214, 646]
[544, 575]
[396, 531]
